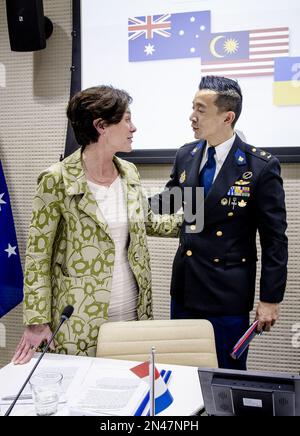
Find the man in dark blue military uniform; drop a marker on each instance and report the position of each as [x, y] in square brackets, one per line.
[214, 270]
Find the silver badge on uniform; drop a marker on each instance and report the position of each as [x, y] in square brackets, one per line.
[247, 175]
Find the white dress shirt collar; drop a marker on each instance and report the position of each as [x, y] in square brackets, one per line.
[223, 149]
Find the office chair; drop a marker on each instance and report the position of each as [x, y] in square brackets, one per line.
[188, 342]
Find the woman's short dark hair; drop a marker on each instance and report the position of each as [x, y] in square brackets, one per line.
[229, 94]
[105, 102]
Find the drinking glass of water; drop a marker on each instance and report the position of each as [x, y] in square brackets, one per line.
[46, 390]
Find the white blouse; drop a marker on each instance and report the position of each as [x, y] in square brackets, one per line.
[124, 291]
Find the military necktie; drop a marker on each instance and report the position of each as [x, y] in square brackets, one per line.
[208, 171]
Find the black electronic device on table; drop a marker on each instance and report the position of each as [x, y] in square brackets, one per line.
[229, 392]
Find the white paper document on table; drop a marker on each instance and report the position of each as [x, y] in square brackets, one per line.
[69, 370]
[108, 393]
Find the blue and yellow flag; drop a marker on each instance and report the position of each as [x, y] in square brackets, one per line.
[286, 86]
[11, 275]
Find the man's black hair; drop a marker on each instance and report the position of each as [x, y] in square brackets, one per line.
[229, 94]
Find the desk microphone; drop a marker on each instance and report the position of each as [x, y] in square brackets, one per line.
[67, 312]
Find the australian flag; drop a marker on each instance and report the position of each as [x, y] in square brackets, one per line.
[167, 36]
[11, 275]
[243, 53]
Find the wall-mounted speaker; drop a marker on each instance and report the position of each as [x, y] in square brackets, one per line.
[28, 28]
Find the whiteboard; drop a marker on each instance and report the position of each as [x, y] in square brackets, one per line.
[163, 88]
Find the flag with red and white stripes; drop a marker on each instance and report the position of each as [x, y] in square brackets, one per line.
[265, 45]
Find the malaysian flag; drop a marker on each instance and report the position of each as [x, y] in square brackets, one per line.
[184, 35]
[265, 45]
[167, 36]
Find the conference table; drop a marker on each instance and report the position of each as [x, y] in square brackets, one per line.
[183, 385]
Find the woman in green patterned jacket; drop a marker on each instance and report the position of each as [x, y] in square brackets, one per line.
[87, 242]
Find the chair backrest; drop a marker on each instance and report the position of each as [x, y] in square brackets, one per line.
[182, 342]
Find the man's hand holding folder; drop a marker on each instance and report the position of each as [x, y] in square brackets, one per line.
[245, 340]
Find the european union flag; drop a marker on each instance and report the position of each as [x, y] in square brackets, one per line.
[167, 36]
[286, 84]
[11, 275]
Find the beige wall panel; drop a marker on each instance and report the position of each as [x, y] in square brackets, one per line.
[32, 126]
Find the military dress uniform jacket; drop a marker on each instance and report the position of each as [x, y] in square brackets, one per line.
[70, 253]
[214, 270]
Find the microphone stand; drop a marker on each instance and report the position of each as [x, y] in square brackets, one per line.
[152, 381]
[63, 319]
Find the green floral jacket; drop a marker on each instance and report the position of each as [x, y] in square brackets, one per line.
[70, 253]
